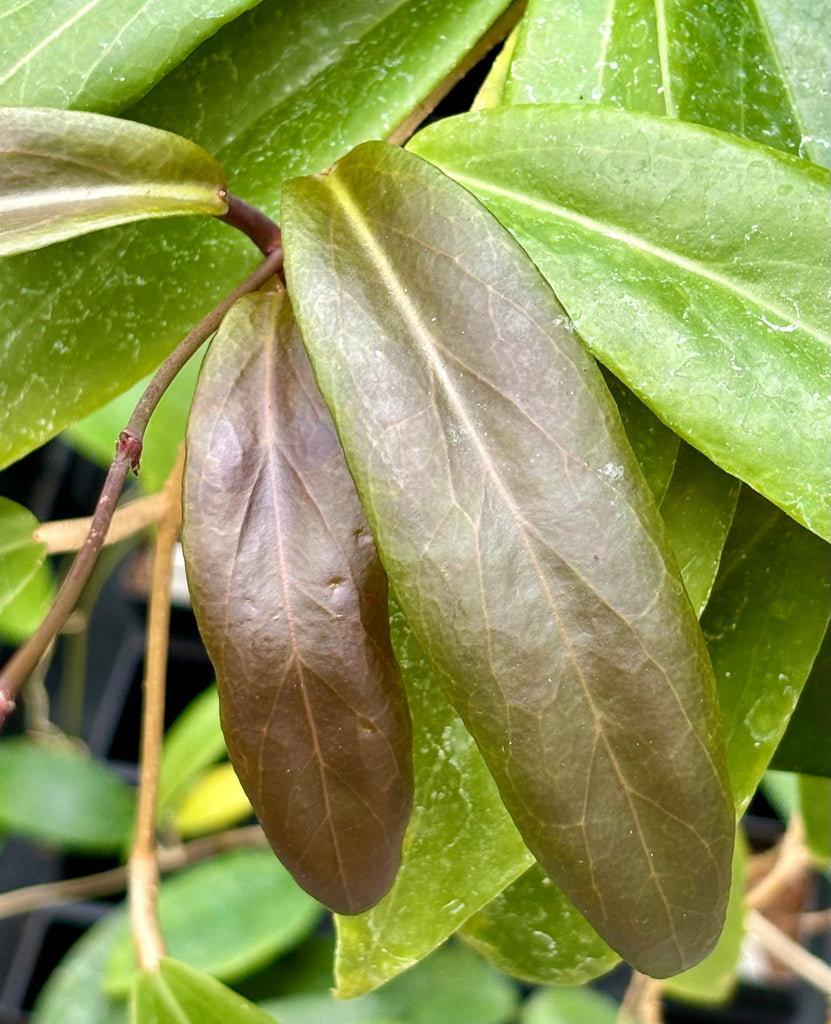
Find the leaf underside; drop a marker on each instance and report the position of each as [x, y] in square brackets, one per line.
[521, 543]
[291, 600]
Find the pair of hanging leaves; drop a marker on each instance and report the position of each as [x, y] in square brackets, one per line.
[520, 540]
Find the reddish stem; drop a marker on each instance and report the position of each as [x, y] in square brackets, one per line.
[127, 456]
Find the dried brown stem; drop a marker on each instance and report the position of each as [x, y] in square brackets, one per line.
[107, 883]
[61, 535]
[143, 866]
[793, 860]
[788, 952]
[641, 1001]
[128, 454]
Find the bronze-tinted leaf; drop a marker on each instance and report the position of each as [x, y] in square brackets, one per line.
[291, 600]
[521, 542]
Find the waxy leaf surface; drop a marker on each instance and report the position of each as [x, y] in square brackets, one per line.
[693, 263]
[65, 173]
[806, 745]
[697, 509]
[461, 847]
[754, 69]
[54, 56]
[521, 542]
[714, 978]
[764, 623]
[282, 90]
[291, 599]
[532, 932]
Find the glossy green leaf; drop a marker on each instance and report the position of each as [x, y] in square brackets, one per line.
[54, 54]
[226, 916]
[569, 1006]
[461, 848]
[654, 444]
[713, 980]
[806, 745]
[74, 992]
[177, 994]
[291, 600]
[25, 582]
[533, 933]
[217, 801]
[448, 365]
[247, 96]
[65, 173]
[192, 744]
[774, 575]
[693, 263]
[745, 68]
[451, 986]
[95, 435]
[54, 794]
[491, 90]
[698, 508]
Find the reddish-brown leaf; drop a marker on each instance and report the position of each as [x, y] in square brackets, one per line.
[291, 600]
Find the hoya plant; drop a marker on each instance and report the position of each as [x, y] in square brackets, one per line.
[502, 486]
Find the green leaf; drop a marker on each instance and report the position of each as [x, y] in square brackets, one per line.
[244, 95]
[806, 745]
[698, 508]
[74, 993]
[25, 581]
[713, 980]
[192, 744]
[569, 1006]
[65, 173]
[773, 575]
[654, 444]
[460, 850]
[291, 601]
[533, 933]
[226, 916]
[815, 806]
[178, 994]
[216, 801]
[754, 69]
[451, 986]
[801, 30]
[693, 263]
[55, 54]
[56, 795]
[448, 364]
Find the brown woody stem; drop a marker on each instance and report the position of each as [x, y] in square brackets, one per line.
[143, 865]
[127, 456]
[107, 883]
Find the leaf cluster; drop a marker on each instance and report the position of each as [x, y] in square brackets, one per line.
[506, 505]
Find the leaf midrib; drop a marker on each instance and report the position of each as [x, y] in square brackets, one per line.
[410, 314]
[614, 232]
